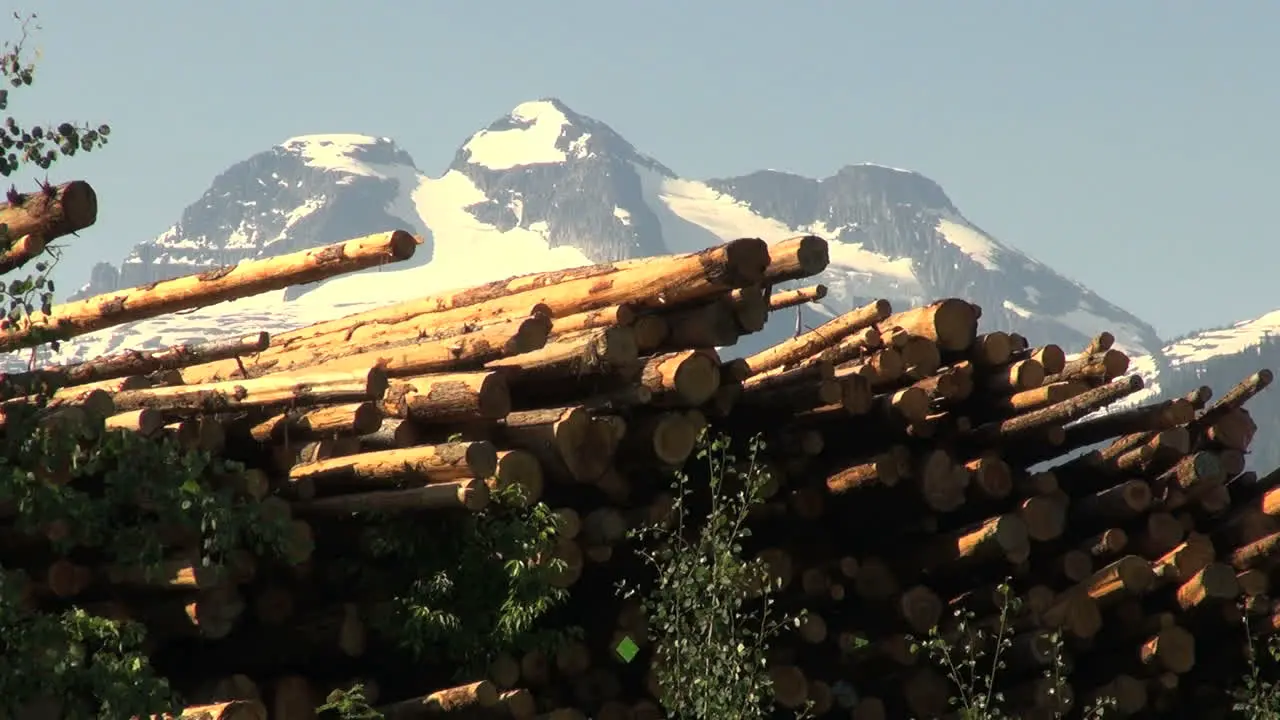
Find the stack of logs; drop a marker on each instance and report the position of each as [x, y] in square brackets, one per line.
[914, 464]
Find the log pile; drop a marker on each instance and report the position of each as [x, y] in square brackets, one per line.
[914, 464]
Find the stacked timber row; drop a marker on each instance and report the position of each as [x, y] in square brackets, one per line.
[914, 464]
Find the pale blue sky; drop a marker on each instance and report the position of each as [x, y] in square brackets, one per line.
[1130, 145]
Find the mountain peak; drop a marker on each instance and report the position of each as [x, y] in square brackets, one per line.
[546, 132]
[348, 153]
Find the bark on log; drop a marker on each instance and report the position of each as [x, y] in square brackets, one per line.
[790, 298]
[1096, 367]
[1155, 417]
[51, 213]
[591, 319]
[595, 352]
[686, 378]
[129, 362]
[463, 352]
[230, 283]
[306, 425]
[795, 258]
[296, 389]
[426, 464]
[19, 251]
[952, 323]
[792, 351]
[448, 398]
[1062, 412]
[644, 283]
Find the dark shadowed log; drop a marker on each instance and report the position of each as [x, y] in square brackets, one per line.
[1062, 412]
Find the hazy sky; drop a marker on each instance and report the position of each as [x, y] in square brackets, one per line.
[1130, 145]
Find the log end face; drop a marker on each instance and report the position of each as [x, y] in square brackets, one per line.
[1219, 581]
[1011, 534]
[79, 205]
[696, 378]
[366, 418]
[376, 382]
[532, 334]
[481, 457]
[955, 324]
[814, 255]
[493, 397]
[401, 245]
[473, 495]
[747, 261]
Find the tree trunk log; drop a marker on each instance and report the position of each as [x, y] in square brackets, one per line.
[250, 277]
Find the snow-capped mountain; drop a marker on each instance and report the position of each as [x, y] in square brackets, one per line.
[1220, 358]
[546, 188]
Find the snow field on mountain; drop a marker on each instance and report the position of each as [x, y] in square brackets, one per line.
[518, 147]
[1225, 341]
[971, 242]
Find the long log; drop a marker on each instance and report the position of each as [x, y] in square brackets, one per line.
[468, 494]
[595, 352]
[790, 298]
[425, 464]
[646, 283]
[129, 362]
[295, 389]
[794, 350]
[248, 278]
[402, 359]
[449, 398]
[1062, 412]
[306, 425]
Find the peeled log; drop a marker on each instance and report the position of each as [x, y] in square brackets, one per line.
[595, 352]
[792, 351]
[1097, 367]
[129, 362]
[248, 278]
[1038, 398]
[1062, 412]
[644, 283]
[688, 377]
[449, 398]
[403, 359]
[591, 319]
[360, 418]
[425, 464]
[50, 213]
[799, 296]
[951, 323]
[296, 389]
[795, 258]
